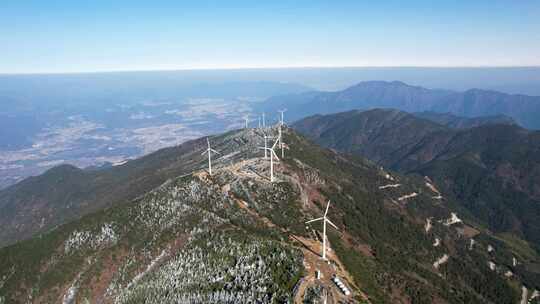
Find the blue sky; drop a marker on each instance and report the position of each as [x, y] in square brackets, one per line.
[69, 36]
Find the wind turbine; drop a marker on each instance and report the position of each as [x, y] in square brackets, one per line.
[259, 121]
[281, 144]
[325, 220]
[272, 155]
[246, 118]
[282, 122]
[263, 121]
[209, 151]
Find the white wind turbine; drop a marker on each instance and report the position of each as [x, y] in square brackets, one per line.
[325, 220]
[246, 118]
[263, 121]
[209, 151]
[282, 122]
[272, 155]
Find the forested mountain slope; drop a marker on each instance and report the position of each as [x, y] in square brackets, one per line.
[458, 122]
[493, 171]
[236, 237]
[64, 193]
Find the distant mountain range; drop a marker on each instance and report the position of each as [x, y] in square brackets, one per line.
[493, 170]
[525, 110]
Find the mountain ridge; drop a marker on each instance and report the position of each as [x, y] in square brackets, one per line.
[234, 236]
[458, 122]
[382, 94]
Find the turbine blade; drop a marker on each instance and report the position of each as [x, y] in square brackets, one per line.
[332, 224]
[317, 219]
[204, 152]
[327, 206]
[214, 151]
[275, 143]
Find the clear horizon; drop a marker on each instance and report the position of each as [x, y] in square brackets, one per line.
[273, 68]
[67, 37]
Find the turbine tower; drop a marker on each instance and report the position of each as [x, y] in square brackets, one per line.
[272, 155]
[281, 144]
[265, 146]
[246, 118]
[209, 151]
[325, 220]
[263, 121]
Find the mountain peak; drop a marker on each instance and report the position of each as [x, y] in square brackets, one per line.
[381, 84]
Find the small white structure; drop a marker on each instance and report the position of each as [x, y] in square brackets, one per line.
[404, 197]
[490, 248]
[428, 225]
[341, 286]
[325, 220]
[471, 244]
[437, 242]
[514, 261]
[454, 219]
[524, 294]
[389, 186]
[534, 295]
[388, 177]
[441, 261]
[492, 265]
[209, 151]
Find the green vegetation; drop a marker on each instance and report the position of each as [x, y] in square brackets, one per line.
[225, 238]
[491, 170]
